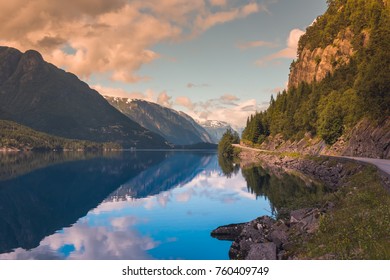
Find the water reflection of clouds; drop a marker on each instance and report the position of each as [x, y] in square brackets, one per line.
[215, 186]
[207, 184]
[109, 231]
[119, 242]
[122, 223]
[185, 196]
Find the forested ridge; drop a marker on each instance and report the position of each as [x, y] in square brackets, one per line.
[355, 90]
[18, 137]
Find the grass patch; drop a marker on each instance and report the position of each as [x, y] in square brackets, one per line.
[359, 226]
[317, 159]
[291, 154]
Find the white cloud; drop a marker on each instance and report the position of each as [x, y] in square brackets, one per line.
[91, 243]
[228, 108]
[293, 39]
[123, 223]
[185, 196]
[235, 115]
[222, 108]
[289, 52]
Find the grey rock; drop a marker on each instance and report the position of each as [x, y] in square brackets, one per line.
[262, 251]
[316, 64]
[279, 234]
[306, 219]
[297, 215]
[229, 232]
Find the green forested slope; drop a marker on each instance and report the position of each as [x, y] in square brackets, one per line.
[19, 137]
[43, 97]
[356, 90]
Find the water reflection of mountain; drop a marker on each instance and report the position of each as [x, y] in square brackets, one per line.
[283, 190]
[176, 170]
[45, 200]
[18, 163]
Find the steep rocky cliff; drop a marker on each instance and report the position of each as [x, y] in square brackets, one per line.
[338, 96]
[366, 139]
[314, 65]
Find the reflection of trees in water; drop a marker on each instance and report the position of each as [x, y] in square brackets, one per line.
[46, 192]
[284, 191]
[43, 200]
[227, 165]
[18, 163]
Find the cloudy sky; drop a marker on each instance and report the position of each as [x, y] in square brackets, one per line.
[214, 59]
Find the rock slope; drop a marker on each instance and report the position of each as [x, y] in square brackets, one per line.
[314, 65]
[366, 139]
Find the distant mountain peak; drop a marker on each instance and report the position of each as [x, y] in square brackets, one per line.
[176, 127]
[214, 123]
[215, 128]
[33, 55]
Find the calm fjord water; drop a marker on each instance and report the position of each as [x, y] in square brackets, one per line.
[131, 205]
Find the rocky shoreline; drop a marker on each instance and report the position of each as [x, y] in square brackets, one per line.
[266, 238]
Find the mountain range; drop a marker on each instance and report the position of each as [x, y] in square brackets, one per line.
[45, 98]
[177, 127]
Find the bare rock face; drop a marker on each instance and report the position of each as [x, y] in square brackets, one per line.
[306, 145]
[314, 65]
[370, 140]
[366, 139]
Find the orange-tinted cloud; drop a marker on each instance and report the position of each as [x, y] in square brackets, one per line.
[208, 20]
[112, 37]
[218, 2]
[185, 102]
[164, 99]
[148, 95]
[256, 44]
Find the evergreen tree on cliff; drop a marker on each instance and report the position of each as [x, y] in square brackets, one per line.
[348, 50]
